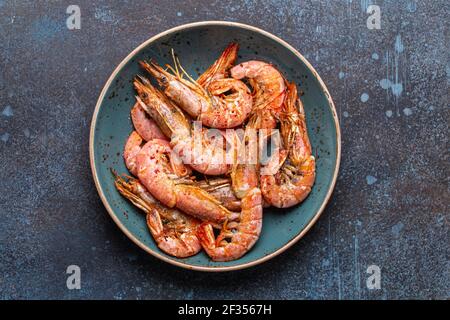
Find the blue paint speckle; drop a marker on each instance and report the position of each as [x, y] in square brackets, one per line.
[190, 295]
[389, 113]
[385, 83]
[8, 111]
[179, 13]
[365, 4]
[371, 180]
[397, 89]
[341, 75]
[345, 114]
[411, 6]
[5, 137]
[325, 263]
[364, 97]
[375, 56]
[397, 228]
[407, 111]
[105, 15]
[399, 44]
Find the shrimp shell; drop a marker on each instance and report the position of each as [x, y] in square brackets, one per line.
[295, 169]
[269, 87]
[174, 232]
[146, 127]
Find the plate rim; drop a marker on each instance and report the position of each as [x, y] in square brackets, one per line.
[111, 211]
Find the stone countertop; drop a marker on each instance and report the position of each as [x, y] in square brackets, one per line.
[390, 207]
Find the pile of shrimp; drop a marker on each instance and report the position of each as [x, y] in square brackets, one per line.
[204, 198]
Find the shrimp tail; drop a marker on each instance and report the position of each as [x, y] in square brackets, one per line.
[221, 66]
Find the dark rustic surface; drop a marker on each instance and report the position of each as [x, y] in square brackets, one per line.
[390, 206]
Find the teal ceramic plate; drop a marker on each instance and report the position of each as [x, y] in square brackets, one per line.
[198, 45]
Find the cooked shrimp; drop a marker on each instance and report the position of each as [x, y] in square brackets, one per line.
[222, 103]
[227, 111]
[242, 235]
[156, 173]
[219, 69]
[134, 145]
[207, 158]
[219, 188]
[269, 87]
[294, 166]
[173, 231]
[144, 124]
[132, 148]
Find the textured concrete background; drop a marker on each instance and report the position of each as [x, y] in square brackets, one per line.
[391, 203]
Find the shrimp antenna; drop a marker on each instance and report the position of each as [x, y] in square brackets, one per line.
[176, 70]
[114, 173]
[175, 59]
